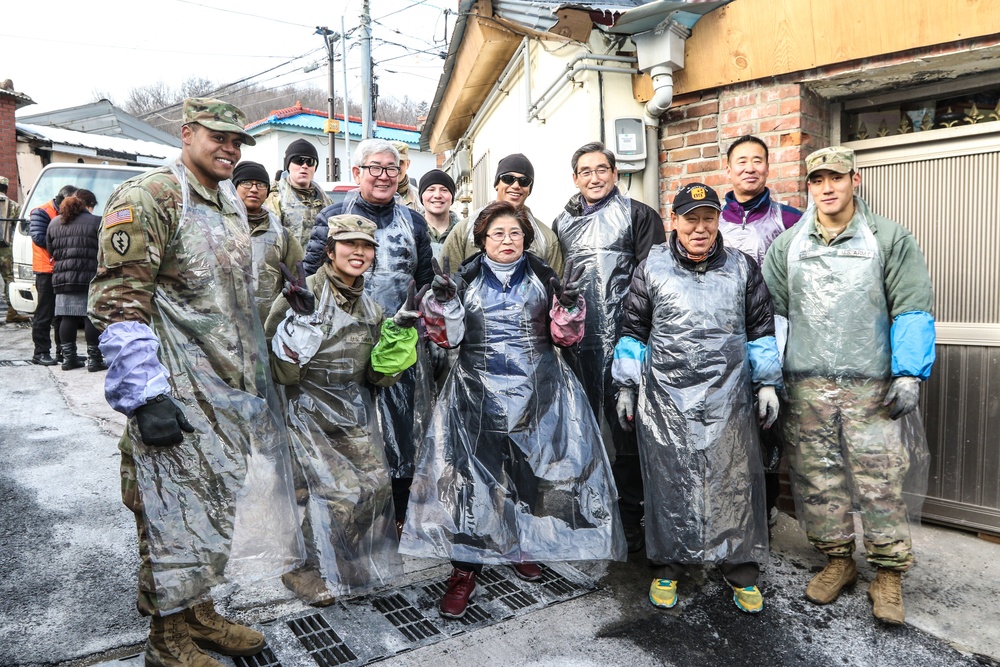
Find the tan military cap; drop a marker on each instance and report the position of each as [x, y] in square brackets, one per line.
[352, 227]
[403, 148]
[835, 158]
[217, 115]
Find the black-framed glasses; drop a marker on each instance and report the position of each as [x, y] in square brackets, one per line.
[377, 170]
[250, 185]
[603, 170]
[508, 179]
[304, 161]
[499, 235]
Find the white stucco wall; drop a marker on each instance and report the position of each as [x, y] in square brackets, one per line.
[571, 119]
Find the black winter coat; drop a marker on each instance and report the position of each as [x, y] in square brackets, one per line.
[759, 308]
[73, 246]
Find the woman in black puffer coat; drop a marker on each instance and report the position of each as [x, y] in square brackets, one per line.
[72, 239]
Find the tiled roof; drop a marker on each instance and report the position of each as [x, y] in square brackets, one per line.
[304, 118]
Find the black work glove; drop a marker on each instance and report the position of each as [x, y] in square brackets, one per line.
[161, 421]
[443, 287]
[299, 298]
[569, 292]
[409, 312]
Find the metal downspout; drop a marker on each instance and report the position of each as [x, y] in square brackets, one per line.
[663, 95]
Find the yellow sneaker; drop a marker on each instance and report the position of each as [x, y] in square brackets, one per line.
[748, 599]
[663, 593]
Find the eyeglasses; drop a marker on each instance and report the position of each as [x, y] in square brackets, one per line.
[600, 171]
[304, 161]
[250, 185]
[498, 236]
[508, 179]
[377, 170]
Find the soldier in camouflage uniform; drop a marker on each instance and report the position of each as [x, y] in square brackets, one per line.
[271, 243]
[188, 365]
[297, 199]
[9, 212]
[406, 187]
[857, 296]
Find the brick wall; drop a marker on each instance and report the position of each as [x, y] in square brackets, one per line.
[698, 128]
[8, 144]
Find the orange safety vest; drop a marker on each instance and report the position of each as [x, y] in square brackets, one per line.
[41, 260]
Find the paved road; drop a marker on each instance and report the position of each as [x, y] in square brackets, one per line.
[67, 560]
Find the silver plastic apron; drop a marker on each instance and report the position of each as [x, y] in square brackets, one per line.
[754, 238]
[819, 346]
[220, 506]
[348, 521]
[297, 216]
[512, 468]
[268, 245]
[602, 243]
[404, 407]
[701, 467]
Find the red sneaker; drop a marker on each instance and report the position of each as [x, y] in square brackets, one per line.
[461, 586]
[527, 571]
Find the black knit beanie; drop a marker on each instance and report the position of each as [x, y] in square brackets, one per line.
[250, 171]
[436, 177]
[517, 163]
[300, 147]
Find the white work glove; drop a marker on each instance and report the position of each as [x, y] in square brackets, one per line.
[904, 393]
[626, 408]
[297, 339]
[767, 406]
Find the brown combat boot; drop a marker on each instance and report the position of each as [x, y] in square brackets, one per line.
[838, 574]
[170, 645]
[309, 586]
[13, 317]
[215, 633]
[886, 594]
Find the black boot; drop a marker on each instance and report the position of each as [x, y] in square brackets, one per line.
[59, 355]
[70, 360]
[95, 360]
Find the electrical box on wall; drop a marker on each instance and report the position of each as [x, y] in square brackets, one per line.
[629, 144]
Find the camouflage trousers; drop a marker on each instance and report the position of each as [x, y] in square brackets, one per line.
[846, 453]
[6, 268]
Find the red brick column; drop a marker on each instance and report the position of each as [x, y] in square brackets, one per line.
[8, 144]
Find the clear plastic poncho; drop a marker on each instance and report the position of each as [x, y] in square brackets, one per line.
[404, 407]
[348, 521]
[829, 359]
[756, 237]
[697, 432]
[268, 247]
[298, 216]
[512, 468]
[602, 243]
[220, 506]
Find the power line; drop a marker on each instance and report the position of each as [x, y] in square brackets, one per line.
[139, 48]
[233, 11]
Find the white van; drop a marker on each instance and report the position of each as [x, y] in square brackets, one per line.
[98, 178]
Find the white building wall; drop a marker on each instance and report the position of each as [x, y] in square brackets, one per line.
[571, 119]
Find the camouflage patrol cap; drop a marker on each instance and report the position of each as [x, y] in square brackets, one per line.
[217, 115]
[352, 227]
[4, 182]
[835, 158]
[403, 148]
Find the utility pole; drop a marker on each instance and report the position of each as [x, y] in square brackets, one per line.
[331, 125]
[347, 118]
[366, 71]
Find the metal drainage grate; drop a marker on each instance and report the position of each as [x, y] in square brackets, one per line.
[506, 591]
[263, 659]
[14, 362]
[557, 584]
[323, 644]
[473, 613]
[410, 622]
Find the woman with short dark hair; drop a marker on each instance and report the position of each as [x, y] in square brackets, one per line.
[512, 470]
[73, 238]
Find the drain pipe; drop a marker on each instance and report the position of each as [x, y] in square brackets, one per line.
[663, 94]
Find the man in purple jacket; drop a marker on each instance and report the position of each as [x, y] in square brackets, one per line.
[750, 221]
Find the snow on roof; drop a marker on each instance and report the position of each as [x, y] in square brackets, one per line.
[98, 145]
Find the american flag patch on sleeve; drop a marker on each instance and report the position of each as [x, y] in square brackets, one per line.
[120, 216]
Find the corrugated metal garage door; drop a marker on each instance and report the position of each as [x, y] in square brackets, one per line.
[947, 193]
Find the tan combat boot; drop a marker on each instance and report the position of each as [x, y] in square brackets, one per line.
[215, 633]
[13, 317]
[839, 573]
[309, 586]
[170, 645]
[886, 594]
